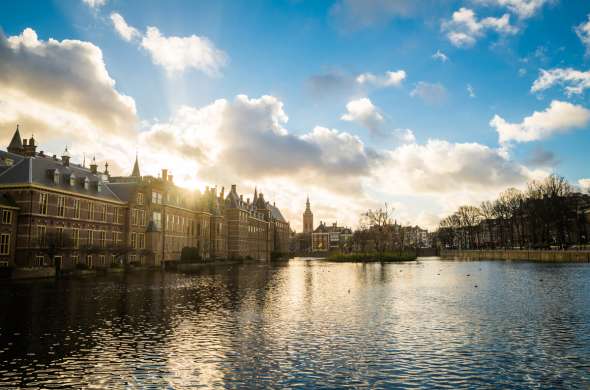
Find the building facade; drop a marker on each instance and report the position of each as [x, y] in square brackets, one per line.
[330, 238]
[61, 214]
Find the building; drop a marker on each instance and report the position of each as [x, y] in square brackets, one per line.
[57, 213]
[330, 238]
[307, 218]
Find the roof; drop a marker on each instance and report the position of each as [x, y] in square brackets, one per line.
[276, 213]
[16, 142]
[40, 170]
[124, 191]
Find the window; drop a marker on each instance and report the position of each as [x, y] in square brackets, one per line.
[74, 260]
[77, 208]
[103, 213]
[86, 183]
[43, 200]
[142, 217]
[60, 236]
[133, 240]
[114, 238]
[89, 261]
[132, 258]
[156, 197]
[90, 237]
[116, 217]
[103, 238]
[39, 260]
[102, 260]
[72, 180]
[56, 177]
[76, 238]
[157, 218]
[134, 216]
[4, 243]
[113, 259]
[6, 217]
[90, 210]
[61, 206]
[41, 234]
[140, 198]
[141, 240]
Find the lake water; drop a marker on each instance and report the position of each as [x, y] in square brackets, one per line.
[303, 324]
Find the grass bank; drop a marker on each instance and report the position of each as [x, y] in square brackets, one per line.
[388, 257]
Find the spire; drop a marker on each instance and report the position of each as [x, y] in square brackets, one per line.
[255, 194]
[307, 207]
[135, 172]
[16, 144]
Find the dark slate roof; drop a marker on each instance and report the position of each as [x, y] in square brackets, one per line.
[124, 191]
[16, 142]
[276, 213]
[39, 170]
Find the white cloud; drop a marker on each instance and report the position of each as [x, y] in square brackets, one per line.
[440, 56]
[559, 117]
[126, 32]
[95, 3]
[583, 32]
[405, 136]
[440, 166]
[584, 184]
[430, 93]
[573, 81]
[522, 8]
[464, 29]
[471, 91]
[390, 79]
[364, 112]
[58, 88]
[177, 54]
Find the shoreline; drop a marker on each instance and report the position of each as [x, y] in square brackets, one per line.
[535, 255]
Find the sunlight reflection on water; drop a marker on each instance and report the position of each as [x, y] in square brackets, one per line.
[303, 323]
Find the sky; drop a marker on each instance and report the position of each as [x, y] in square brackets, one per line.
[424, 105]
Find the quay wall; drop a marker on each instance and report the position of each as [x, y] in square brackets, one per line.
[517, 254]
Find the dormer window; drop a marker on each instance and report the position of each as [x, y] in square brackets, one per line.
[56, 176]
[72, 180]
[86, 183]
[99, 186]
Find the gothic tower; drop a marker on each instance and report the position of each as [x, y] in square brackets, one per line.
[307, 218]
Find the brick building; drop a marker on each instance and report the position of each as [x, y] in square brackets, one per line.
[57, 213]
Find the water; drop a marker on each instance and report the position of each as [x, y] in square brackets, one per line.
[303, 324]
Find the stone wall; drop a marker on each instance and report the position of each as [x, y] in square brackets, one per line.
[516, 255]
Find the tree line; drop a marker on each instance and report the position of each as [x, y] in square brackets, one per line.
[548, 213]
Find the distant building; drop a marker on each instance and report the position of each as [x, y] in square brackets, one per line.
[330, 238]
[307, 218]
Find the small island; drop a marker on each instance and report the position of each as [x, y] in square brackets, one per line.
[373, 257]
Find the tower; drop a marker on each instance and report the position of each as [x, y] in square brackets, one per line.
[135, 172]
[307, 219]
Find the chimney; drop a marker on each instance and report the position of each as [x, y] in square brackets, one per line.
[164, 175]
[222, 193]
[241, 198]
[233, 188]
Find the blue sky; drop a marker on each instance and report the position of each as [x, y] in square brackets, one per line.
[307, 56]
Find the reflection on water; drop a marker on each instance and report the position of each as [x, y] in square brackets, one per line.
[303, 323]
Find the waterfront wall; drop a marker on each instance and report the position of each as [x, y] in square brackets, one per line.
[516, 255]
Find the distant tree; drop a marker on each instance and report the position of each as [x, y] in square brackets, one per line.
[380, 222]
